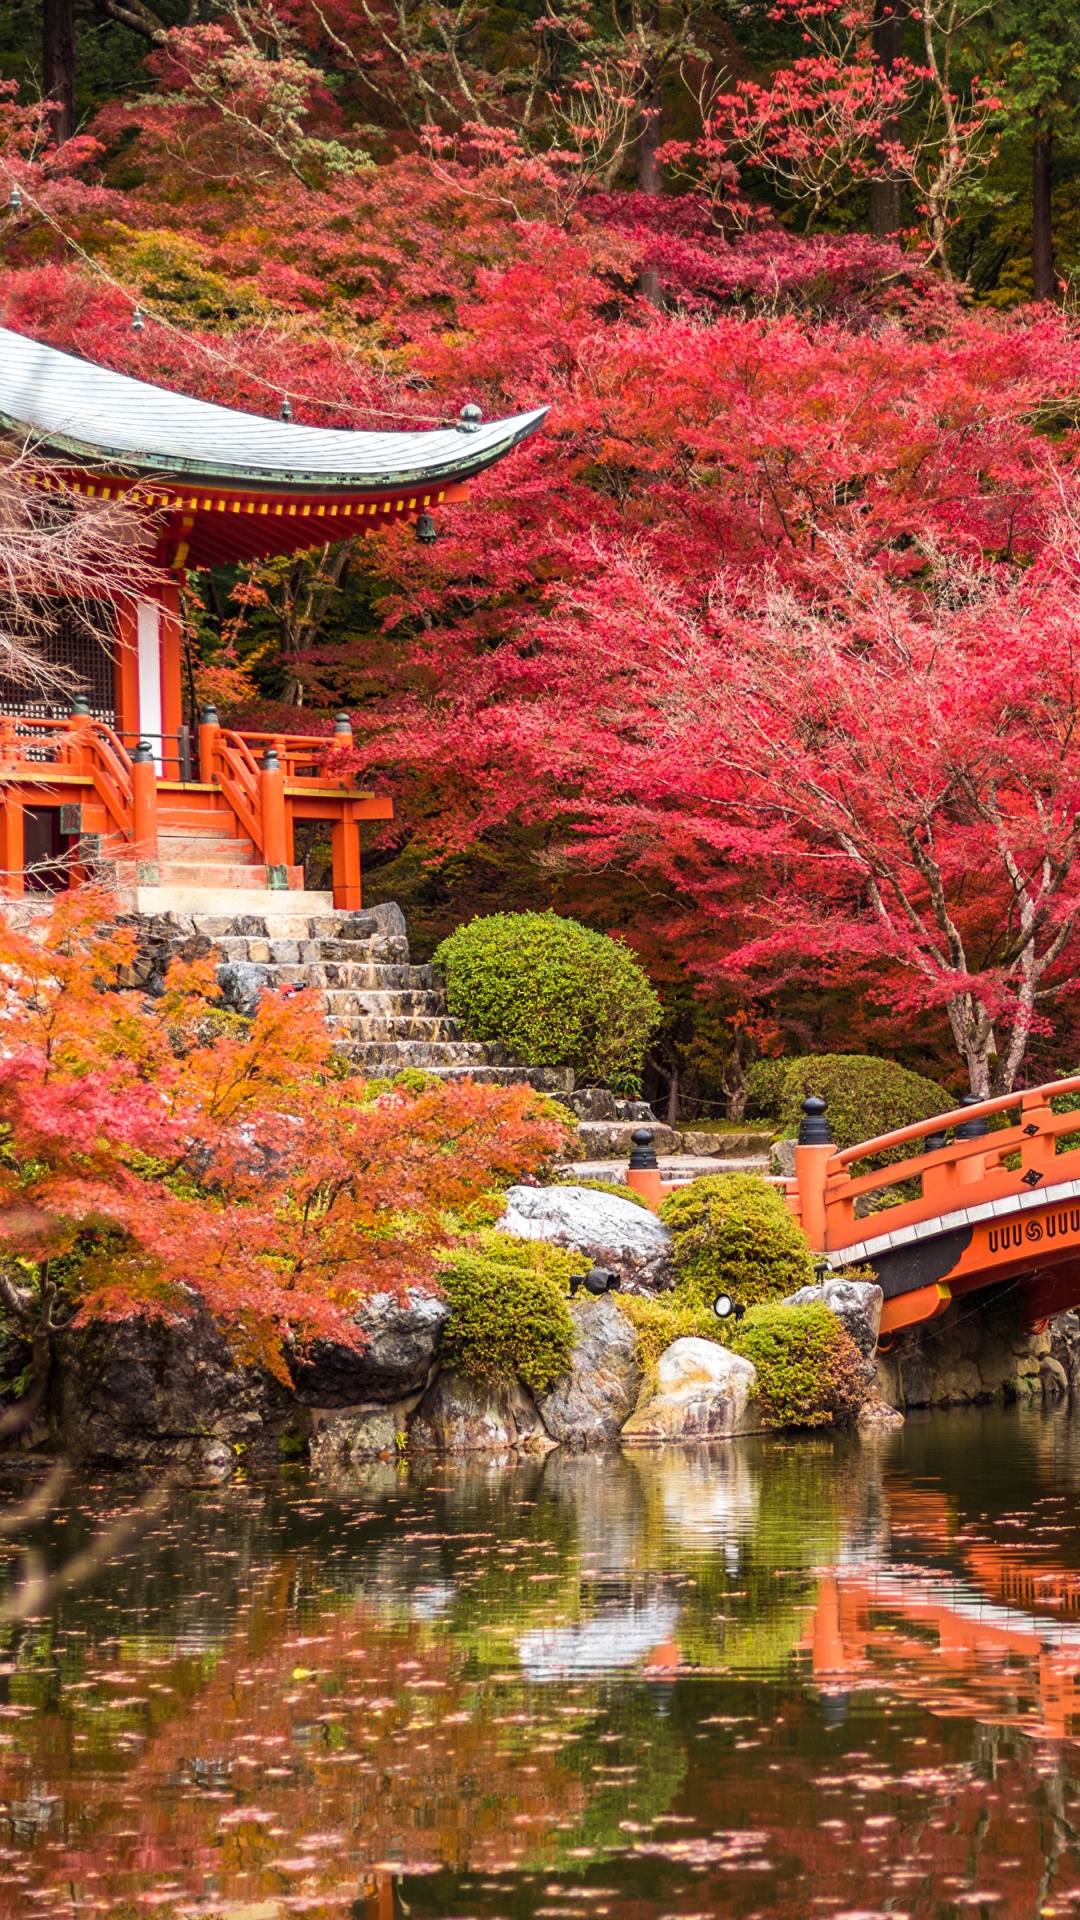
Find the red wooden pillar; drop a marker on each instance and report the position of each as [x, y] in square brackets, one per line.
[275, 848]
[172, 703]
[209, 730]
[144, 786]
[127, 670]
[345, 851]
[12, 857]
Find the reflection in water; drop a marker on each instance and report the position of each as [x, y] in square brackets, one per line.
[770, 1678]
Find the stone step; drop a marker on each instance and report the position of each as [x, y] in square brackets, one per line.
[343, 1002]
[419, 1026]
[390, 1056]
[557, 1081]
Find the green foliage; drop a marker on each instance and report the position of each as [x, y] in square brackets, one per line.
[610, 1186]
[732, 1233]
[866, 1096]
[556, 993]
[659, 1319]
[509, 1310]
[810, 1372]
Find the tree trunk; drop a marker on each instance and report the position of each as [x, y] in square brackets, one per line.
[887, 195]
[673, 1097]
[58, 64]
[1044, 280]
[649, 174]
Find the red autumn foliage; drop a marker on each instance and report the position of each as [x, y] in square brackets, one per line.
[156, 1153]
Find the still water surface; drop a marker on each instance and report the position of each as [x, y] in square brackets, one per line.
[773, 1678]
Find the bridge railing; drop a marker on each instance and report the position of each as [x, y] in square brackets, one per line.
[962, 1173]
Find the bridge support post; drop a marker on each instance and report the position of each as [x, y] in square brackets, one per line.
[814, 1149]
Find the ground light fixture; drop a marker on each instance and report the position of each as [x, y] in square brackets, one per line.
[725, 1308]
[598, 1280]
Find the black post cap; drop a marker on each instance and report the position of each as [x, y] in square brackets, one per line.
[932, 1142]
[80, 707]
[972, 1129]
[270, 762]
[642, 1151]
[143, 752]
[209, 717]
[813, 1127]
[342, 723]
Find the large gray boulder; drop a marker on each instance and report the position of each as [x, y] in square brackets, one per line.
[856, 1303]
[459, 1415]
[402, 1341]
[159, 1392]
[701, 1392]
[611, 1231]
[589, 1404]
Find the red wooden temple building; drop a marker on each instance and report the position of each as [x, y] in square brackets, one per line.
[189, 810]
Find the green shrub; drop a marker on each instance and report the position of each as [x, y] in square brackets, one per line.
[658, 1319]
[554, 992]
[509, 1310]
[733, 1234]
[865, 1096]
[810, 1372]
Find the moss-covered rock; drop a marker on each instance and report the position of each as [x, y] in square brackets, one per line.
[732, 1233]
[510, 1310]
[810, 1372]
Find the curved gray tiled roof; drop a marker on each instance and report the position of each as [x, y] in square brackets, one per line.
[71, 406]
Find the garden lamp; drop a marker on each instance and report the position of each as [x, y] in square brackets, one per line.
[725, 1308]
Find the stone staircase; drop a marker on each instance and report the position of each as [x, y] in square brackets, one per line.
[208, 856]
[384, 1013]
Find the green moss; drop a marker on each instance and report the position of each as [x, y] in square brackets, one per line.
[556, 993]
[658, 1320]
[732, 1233]
[810, 1372]
[610, 1186]
[866, 1096]
[509, 1310]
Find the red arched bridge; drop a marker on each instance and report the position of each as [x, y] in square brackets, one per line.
[989, 1205]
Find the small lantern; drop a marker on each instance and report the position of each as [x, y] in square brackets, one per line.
[286, 410]
[137, 321]
[15, 199]
[426, 531]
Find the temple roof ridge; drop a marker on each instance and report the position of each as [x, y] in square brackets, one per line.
[72, 406]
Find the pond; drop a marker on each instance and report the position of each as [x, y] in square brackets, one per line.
[777, 1677]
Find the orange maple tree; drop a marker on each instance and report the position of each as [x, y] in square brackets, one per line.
[159, 1154]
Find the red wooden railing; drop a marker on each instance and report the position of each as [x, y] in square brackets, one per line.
[962, 1174]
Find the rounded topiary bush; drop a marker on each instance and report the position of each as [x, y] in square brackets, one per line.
[810, 1372]
[865, 1096]
[554, 992]
[509, 1310]
[732, 1233]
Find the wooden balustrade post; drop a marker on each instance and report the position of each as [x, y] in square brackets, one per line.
[345, 855]
[209, 735]
[972, 1169]
[275, 847]
[144, 795]
[12, 856]
[814, 1149]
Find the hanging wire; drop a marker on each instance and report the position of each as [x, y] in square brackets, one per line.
[16, 202]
